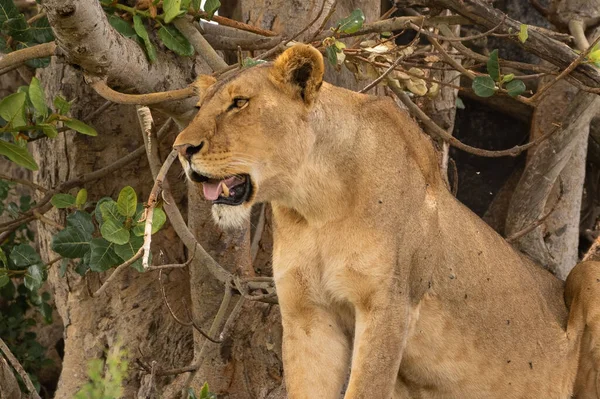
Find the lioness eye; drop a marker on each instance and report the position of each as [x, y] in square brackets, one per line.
[238, 102]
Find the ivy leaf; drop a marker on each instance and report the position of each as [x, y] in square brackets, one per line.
[18, 155]
[353, 22]
[4, 279]
[493, 66]
[41, 31]
[115, 233]
[175, 41]
[34, 277]
[12, 109]
[80, 127]
[71, 243]
[24, 255]
[38, 97]
[484, 86]
[515, 88]
[129, 249]
[127, 201]
[171, 9]
[61, 105]
[62, 201]
[110, 212]
[122, 26]
[49, 130]
[140, 29]
[81, 198]
[210, 7]
[103, 255]
[82, 221]
[523, 33]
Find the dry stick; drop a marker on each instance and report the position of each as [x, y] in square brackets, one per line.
[537, 96]
[238, 25]
[456, 39]
[577, 29]
[23, 182]
[205, 50]
[107, 93]
[457, 65]
[177, 319]
[453, 141]
[19, 369]
[19, 57]
[120, 269]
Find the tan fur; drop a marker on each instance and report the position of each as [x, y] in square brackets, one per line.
[378, 267]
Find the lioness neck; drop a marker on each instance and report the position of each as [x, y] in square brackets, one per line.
[364, 154]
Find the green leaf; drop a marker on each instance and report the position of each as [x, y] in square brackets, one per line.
[158, 220]
[103, 255]
[62, 201]
[63, 267]
[175, 41]
[210, 7]
[3, 259]
[37, 97]
[61, 105]
[18, 155]
[196, 4]
[249, 62]
[515, 88]
[4, 279]
[71, 242]
[129, 249]
[122, 26]
[110, 212]
[493, 66]
[127, 201]
[46, 311]
[185, 5]
[352, 23]
[459, 103]
[171, 9]
[484, 86]
[80, 127]
[205, 392]
[140, 29]
[115, 233]
[98, 211]
[48, 129]
[81, 198]
[12, 109]
[24, 255]
[82, 221]
[523, 34]
[41, 31]
[8, 10]
[191, 394]
[508, 78]
[34, 277]
[18, 29]
[331, 53]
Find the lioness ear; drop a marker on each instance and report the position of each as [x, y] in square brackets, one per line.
[299, 70]
[201, 86]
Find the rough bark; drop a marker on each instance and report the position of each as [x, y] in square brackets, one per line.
[9, 388]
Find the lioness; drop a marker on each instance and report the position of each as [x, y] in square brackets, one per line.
[377, 265]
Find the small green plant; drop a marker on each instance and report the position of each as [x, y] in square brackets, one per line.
[106, 377]
[334, 49]
[204, 393]
[488, 85]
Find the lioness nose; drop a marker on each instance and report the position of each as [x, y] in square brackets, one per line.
[187, 150]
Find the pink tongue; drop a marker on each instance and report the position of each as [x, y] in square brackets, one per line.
[212, 189]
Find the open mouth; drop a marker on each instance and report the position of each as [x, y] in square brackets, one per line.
[231, 190]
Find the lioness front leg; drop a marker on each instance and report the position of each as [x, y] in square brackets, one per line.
[379, 340]
[316, 352]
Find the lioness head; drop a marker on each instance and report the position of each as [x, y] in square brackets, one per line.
[251, 135]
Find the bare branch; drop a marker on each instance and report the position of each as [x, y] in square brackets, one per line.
[19, 57]
[23, 182]
[106, 92]
[19, 369]
[119, 269]
[200, 44]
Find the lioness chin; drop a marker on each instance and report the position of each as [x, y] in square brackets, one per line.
[378, 267]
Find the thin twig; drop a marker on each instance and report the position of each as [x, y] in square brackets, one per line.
[24, 182]
[19, 369]
[457, 65]
[456, 39]
[118, 272]
[453, 141]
